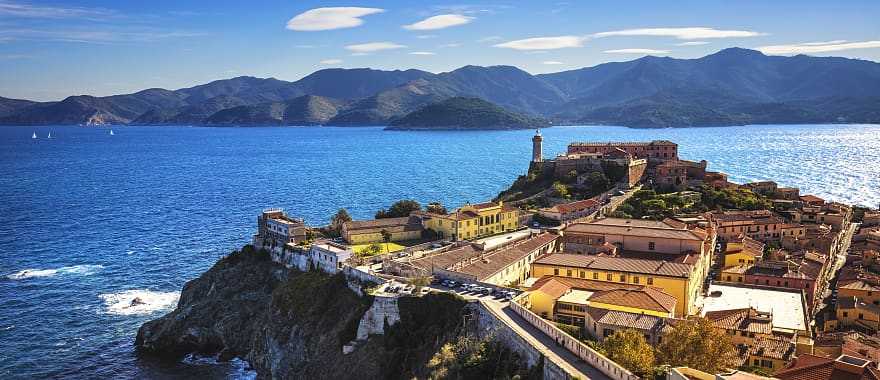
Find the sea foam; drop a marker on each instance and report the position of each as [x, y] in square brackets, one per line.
[123, 303]
[84, 270]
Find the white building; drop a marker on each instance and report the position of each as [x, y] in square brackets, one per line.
[329, 256]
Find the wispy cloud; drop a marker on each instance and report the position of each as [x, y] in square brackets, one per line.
[94, 35]
[692, 43]
[693, 33]
[371, 47]
[331, 61]
[636, 51]
[439, 22]
[450, 45]
[489, 39]
[330, 18]
[544, 43]
[817, 47]
[27, 10]
[426, 36]
[422, 53]
[467, 9]
[552, 63]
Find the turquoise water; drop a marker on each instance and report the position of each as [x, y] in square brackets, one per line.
[88, 221]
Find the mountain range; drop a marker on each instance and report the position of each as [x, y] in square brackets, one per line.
[731, 87]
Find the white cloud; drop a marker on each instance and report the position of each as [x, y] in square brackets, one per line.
[693, 33]
[439, 22]
[426, 36]
[817, 47]
[331, 61]
[692, 43]
[17, 9]
[544, 43]
[452, 45]
[490, 39]
[553, 63]
[373, 47]
[637, 51]
[422, 53]
[330, 18]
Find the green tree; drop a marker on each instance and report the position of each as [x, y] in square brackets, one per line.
[339, 218]
[436, 208]
[629, 349]
[374, 249]
[399, 209]
[386, 238]
[571, 177]
[598, 182]
[697, 344]
[561, 190]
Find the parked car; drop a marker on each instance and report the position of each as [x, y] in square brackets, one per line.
[424, 291]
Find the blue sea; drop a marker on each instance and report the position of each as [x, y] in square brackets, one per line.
[88, 221]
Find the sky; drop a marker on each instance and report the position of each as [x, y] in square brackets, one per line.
[53, 49]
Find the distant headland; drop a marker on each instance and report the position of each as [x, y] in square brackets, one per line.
[731, 87]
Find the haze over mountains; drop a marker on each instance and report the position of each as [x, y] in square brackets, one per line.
[732, 87]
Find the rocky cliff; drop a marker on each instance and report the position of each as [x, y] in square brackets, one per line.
[289, 324]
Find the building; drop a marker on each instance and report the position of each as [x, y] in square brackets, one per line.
[630, 169]
[743, 251]
[856, 313]
[537, 142]
[812, 200]
[753, 333]
[329, 256]
[796, 274]
[761, 225]
[657, 150]
[769, 354]
[766, 188]
[276, 229]
[850, 343]
[503, 266]
[570, 211]
[472, 221]
[680, 174]
[370, 231]
[786, 307]
[844, 367]
[859, 283]
[679, 280]
[834, 214]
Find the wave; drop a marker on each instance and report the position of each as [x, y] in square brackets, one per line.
[84, 270]
[138, 301]
[239, 369]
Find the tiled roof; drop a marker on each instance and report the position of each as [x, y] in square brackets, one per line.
[624, 319]
[635, 227]
[575, 206]
[480, 206]
[551, 287]
[446, 259]
[858, 304]
[809, 198]
[746, 245]
[406, 223]
[581, 283]
[647, 298]
[618, 264]
[495, 261]
[860, 284]
[811, 367]
[624, 143]
[740, 320]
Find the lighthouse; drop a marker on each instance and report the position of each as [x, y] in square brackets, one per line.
[536, 146]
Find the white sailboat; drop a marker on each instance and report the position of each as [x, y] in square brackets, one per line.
[50, 135]
[111, 132]
[34, 136]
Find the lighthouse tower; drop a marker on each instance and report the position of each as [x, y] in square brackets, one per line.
[537, 141]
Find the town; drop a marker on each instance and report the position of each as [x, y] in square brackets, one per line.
[613, 243]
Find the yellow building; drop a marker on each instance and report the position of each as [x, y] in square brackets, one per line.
[753, 334]
[680, 280]
[855, 312]
[472, 221]
[370, 231]
[742, 251]
[866, 290]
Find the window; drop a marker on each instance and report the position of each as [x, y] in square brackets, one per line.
[568, 273]
[583, 274]
[635, 279]
[861, 316]
[622, 278]
[845, 314]
[651, 245]
[609, 277]
[595, 275]
[556, 271]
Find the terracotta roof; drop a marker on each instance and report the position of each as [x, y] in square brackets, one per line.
[618, 264]
[480, 206]
[851, 343]
[553, 287]
[858, 304]
[747, 245]
[772, 348]
[494, 261]
[622, 143]
[624, 319]
[647, 298]
[809, 198]
[575, 206]
[811, 367]
[446, 259]
[860, 284]
[406, 223]
[583, 284]
[636, 227]
[740, 320]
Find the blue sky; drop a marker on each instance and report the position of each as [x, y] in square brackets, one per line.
[53, 49]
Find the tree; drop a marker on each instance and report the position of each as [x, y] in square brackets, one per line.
[629, 349]
[571, 177]
[386, 237]
[598, 182]
[436, 208]
[697, 344]
[561, 189]
[339, 218]
[399, 209]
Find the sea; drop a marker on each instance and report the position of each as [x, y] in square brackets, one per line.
[89, 220]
